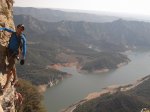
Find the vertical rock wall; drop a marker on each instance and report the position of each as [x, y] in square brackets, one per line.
[6, 19]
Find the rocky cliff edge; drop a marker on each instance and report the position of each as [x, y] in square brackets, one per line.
[6, 19]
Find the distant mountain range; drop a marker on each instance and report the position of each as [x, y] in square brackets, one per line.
[51, 15]
[119, 35]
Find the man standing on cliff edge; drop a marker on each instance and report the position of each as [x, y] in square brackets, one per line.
[16, 46]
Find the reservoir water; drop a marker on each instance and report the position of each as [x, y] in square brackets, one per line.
[77, 87]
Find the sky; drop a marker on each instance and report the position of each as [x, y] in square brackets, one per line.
[137, 7]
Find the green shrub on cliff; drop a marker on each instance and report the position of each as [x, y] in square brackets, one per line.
[32, 98]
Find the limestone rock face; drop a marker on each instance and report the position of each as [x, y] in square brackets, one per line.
[6, 19]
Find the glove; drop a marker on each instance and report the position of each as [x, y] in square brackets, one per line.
[22, 62]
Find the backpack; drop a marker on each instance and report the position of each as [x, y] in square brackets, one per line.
[19, 44]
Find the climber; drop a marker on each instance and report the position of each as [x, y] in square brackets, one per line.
[16, 45]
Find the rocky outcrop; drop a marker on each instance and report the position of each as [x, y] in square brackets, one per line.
[6, 19]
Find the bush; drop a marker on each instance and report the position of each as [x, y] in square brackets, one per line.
[32, 98]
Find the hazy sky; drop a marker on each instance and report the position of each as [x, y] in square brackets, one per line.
[123, 6]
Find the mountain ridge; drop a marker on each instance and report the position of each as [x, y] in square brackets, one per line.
[54, 15]
[119, 35]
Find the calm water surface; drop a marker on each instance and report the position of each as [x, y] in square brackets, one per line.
[78, 86]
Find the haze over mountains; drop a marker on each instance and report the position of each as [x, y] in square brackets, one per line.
[54, 15]
[51, 15]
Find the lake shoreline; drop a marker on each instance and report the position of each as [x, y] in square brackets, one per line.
[136, 69]
[42, 88]
[79, 67]
[108, 90]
